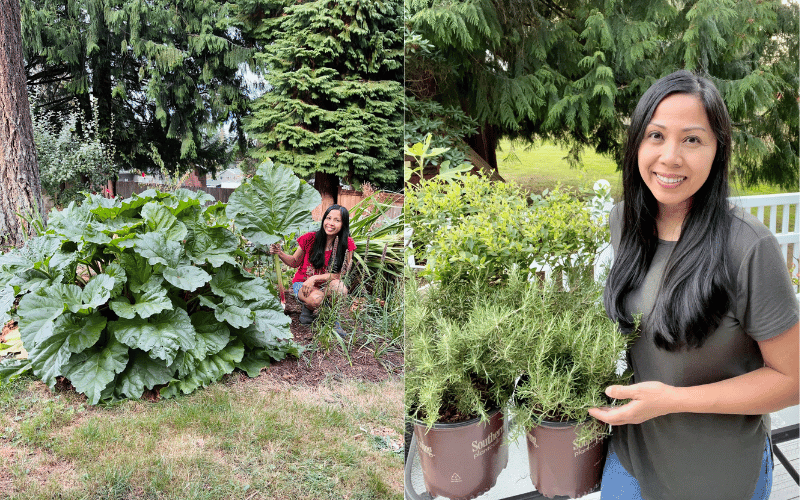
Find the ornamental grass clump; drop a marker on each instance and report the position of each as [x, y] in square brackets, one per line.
[567, 351]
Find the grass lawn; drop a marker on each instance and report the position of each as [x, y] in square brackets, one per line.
[242, 439]
[543, 167]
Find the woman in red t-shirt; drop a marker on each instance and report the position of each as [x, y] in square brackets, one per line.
[316, 277]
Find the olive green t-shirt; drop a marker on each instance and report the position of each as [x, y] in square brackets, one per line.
[688, 456]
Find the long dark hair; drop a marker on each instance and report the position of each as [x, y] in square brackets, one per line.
[696, 289]
[317, 257]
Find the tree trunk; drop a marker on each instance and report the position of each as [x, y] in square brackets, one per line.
[101, 74]
[485, 144]
[328, 187]
[20, 188]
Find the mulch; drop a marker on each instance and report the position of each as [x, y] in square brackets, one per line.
[317, 365]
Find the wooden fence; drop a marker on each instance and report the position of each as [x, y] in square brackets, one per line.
[126, 189]
[348, 198]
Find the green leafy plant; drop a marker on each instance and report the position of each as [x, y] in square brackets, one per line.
[271, 205]
[120, 296]
[454, 370]
[566, 351]
[423, 153]
[378, 239]
[71, 156]
[473, 227]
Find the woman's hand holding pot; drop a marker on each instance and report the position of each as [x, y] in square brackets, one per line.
[648, 400]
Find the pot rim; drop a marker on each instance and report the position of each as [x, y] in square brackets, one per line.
[450, 425]
[560, 424]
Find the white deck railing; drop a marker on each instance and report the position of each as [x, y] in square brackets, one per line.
[766, 210]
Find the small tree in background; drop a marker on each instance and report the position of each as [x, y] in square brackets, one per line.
[336, 71]
[71, 157]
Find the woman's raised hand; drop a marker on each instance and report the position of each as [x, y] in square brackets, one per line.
[275, 248]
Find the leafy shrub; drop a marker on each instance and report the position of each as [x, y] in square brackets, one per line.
[71, 158]
[472, 227]
[120, 296]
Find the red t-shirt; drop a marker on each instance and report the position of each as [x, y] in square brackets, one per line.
[306, 269]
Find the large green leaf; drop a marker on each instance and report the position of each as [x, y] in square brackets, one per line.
[33, 279]
[181, 199]
[137, 269]
[237, 317]
[161, 336]
[143, 372]
[160, 219]
[157, 249]
[149, 300]
[274, 203]
[80, 332]
[230, 282]
[207, 371]
[215, 334]
[271, 319]
[214, 245]
[93, 370]
[49, 357]
[71, 333]
[97, 291]
[186, 277]
[37, 312]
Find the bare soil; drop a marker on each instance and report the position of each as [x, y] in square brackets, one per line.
[316, 365]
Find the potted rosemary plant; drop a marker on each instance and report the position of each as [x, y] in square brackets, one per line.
[567, 350]
[457, 386]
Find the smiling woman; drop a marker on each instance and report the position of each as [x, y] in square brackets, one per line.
[717, 347]
[675, 157]
[318, 276]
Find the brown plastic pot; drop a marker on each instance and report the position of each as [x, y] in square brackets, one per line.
[557, 466]
[462, 460]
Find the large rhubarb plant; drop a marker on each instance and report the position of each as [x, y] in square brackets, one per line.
[123, 296]
[272, 205]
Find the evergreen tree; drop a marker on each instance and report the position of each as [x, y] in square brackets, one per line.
[164, 74]
[20, 191]
[572, 71]
[336, 71]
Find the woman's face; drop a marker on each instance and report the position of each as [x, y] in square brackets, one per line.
[677, 151]
[332, 223]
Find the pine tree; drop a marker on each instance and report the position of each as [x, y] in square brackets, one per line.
[572, 71]
[164, 73]
[336, 72]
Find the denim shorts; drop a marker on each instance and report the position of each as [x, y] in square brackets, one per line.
[618, 484]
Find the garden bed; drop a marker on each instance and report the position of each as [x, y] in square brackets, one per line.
[316, 365]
